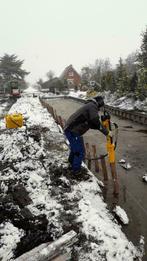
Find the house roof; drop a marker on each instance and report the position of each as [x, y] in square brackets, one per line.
[68, 68]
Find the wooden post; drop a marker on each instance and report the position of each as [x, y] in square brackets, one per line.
[96, 163]
[46, 251]
[88, 156]
[52, 112]
[64, 122]
[48, 108]
[55, 116]
[104, 168]
[115, 178]
[60, 121]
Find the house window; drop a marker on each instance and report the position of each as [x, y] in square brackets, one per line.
[70, 74]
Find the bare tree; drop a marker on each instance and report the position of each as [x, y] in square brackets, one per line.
[50, 75]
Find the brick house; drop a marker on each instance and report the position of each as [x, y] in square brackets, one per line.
[71, 77]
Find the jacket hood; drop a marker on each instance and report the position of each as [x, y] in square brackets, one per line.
[94, 101]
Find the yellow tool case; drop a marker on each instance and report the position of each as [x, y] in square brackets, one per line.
[14, 120]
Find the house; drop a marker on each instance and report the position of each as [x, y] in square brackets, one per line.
[54, 85]
[70, 77]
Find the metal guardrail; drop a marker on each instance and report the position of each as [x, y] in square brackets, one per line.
[124, 114]
[130, 115]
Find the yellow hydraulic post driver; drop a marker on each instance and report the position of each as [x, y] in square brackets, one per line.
[111, 149]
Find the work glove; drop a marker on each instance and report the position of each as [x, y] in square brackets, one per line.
[110, 134]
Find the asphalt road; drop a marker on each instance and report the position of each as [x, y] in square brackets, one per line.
[132, 146]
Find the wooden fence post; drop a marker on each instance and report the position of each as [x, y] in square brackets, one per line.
[115, 178]
[104, 168]
[88, 156]
[60, 121]
[49, 108]
[55, 116]
[96, 163]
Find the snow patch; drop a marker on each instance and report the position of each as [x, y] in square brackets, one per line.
[121, 214]
[9, 239]
[144, 178]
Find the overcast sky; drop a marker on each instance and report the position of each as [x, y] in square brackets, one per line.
[51, 34]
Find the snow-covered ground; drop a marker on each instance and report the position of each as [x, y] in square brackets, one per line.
[124, 102]
[111, 99]
[3, 105]
[30, 89]
[127, 103]
[34, 158]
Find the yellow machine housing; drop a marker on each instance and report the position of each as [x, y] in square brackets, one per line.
[110, 145]
[14, 121]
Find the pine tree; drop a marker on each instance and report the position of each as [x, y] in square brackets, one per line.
[133, 82]
[122, 79]
[10, 68]
[108, 81]
[143, 50]
[142, 72]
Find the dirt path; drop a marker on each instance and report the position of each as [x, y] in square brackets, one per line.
[132, 146]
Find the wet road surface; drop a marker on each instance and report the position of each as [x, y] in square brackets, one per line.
[132, 146]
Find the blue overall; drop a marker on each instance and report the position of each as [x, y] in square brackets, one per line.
[77, 150]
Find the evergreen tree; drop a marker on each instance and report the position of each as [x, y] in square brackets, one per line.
[133, 82]
[108, 81]
[10, 68]
[142, 83]
[142, 72]
[122, 79]
[143, 50]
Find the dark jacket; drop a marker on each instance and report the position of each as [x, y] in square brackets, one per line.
[85, 118]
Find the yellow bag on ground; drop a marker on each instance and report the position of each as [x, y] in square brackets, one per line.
[14, 120]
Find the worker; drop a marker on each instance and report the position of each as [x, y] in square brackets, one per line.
[81, 121]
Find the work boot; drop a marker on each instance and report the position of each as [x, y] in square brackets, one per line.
[81, 174]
